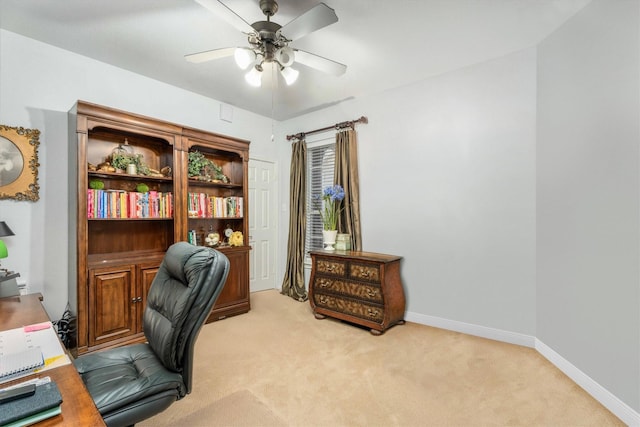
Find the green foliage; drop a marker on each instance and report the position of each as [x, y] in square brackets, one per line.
[197, 162]
[142, 167]
[142, 188]
[96, 184]
[122, 160]
[200, 166]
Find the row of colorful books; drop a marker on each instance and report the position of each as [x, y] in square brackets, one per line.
[129, 204]
[202, 205]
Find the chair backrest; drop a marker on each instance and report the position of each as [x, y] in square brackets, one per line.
[179, 301]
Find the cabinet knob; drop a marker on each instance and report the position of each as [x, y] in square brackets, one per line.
[133, 300]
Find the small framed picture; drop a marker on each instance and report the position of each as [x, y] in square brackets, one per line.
[19, 163]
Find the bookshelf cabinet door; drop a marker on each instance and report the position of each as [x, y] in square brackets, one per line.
[146, 275]
[234, 298]
[111, 304]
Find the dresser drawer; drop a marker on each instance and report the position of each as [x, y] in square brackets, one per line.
[361, 309]
[332, 267]
[362, 271]
[362, 291]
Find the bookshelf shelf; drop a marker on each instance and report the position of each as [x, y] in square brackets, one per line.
[115, 175]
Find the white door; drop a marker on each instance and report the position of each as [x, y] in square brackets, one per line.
[262, 225]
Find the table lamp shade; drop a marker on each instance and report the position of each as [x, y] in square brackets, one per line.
[5, 230]
[3, 250]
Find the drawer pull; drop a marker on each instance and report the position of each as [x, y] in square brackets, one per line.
[323, 299]
[323, 284]
[365, 274]
[371, 293]
[331, 268]
[372, 313]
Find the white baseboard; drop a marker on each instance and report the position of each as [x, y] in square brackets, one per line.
[471, 329]
[602, 395]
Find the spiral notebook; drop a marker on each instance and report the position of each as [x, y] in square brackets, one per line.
[17, 364]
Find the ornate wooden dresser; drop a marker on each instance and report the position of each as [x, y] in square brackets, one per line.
[359, 287]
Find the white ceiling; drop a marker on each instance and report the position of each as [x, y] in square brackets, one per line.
[385, 44]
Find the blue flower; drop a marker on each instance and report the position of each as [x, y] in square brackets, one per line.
[331, 199]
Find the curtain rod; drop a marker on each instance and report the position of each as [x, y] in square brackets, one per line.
[337, 126]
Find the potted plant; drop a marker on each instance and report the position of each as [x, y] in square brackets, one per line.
[330, 208]
[124, 161]
[121, 160]
[200, 167]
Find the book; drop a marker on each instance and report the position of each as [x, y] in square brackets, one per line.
[36, 417]
[27, 344]
[19, 363]
[44, 403]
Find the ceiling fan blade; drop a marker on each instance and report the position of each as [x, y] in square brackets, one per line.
[320, 63]
[224, 12]
[210, 55]
[315, 18]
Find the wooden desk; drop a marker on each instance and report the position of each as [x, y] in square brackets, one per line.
[78, 408]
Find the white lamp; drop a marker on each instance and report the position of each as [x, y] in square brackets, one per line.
[254, 77]
[285, 56]
[290, 75]
[244, 57]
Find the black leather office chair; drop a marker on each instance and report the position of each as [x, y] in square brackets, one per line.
[134, 382]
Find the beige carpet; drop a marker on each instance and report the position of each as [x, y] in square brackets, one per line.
[241, 408]
[279, 366]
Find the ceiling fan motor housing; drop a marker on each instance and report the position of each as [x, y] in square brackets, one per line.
[270, 44]
[268, 7]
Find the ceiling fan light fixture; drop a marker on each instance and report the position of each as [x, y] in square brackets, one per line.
[244, 57]
[285, 56]
[290, 75]
[254, 77]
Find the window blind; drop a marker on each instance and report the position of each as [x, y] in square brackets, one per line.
[321, 162]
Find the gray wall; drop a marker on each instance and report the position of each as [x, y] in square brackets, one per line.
[588, 290]
[447, 180]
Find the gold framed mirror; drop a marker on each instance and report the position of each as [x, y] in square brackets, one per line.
[19, 163]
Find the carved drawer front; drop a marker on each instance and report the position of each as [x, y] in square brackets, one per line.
[360, 291]
[363, 310]
[327, 266]
[368, 272]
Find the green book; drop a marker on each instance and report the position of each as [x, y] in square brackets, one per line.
[48, 413]
[44, 403]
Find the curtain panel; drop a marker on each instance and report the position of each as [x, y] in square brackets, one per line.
[346, 175]
[293, 283]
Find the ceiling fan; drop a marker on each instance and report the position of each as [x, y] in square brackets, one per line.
[269, 42]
